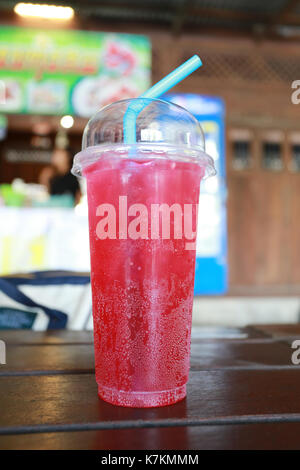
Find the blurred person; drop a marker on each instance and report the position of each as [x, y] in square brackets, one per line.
[58, 178]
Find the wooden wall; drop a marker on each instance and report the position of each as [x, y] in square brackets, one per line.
[254, 79]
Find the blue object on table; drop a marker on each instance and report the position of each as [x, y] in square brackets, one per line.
[21, 310]
[211, 276]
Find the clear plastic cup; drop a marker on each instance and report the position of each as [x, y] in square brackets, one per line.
[142, 219]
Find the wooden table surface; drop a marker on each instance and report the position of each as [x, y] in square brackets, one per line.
[243, 393]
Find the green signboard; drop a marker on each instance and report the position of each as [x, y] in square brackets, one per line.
[69, 72]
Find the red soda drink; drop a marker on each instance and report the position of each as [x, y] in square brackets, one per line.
[142, 275]
[142, 199]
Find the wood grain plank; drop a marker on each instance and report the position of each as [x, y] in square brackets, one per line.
[70, 358]
[86, 337]
[225, 333]
[279, 330]
[267, 436]
[66, 358]
[46, 337]
[214, 355]
[63, 400]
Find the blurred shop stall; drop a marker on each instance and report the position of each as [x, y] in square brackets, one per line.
[65, 73]
[52, 81]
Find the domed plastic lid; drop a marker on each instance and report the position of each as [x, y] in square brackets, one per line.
[158, 129]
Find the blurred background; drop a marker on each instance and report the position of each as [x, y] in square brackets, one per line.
[59, 66]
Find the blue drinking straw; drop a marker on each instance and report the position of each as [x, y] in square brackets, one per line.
[164, 85]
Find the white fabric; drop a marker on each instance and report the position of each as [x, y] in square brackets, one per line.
[72, 299]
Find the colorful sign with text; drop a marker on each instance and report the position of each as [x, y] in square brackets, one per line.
[70, 72]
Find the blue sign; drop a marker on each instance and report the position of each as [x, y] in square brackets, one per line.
[211, 259]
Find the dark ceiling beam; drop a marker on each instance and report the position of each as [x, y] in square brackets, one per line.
[146, 8]
[290, 20]
[162, 15]
[223, 14]
[150, 9]
[183, 11]
[286, 10]
[149, 14]
[283, 17]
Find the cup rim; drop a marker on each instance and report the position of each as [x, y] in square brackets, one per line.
[90, 155]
